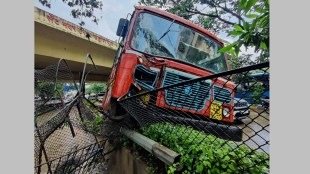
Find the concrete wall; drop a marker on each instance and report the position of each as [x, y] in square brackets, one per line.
[125, 162]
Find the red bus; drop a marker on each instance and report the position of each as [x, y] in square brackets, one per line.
[158, 48]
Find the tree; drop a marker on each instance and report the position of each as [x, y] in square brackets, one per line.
[47, 90]
[254, 33]
[218, 16]
[96, 88]
[80, 8]
[240, 61]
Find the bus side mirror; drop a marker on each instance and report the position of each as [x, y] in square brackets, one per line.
[122, 27]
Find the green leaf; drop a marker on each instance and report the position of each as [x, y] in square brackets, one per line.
[241, 5]
[246, 26]
[199, 168]
[208, 164]
[242, 2]
[226, 49]
[232, 153]
[237, 49]
[263, 20]
[232, 52]
[251, 15]
[259, 9]
[238, 28]
[263, 45]
[232, 167]
[249, 5]
[235, 33]
[241, 37]
[226, 158]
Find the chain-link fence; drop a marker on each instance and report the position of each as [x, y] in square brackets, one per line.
[66, 124]
[218, 123]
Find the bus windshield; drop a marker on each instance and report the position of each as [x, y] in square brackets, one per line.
[158, 36]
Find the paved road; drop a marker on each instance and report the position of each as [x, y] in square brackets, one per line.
[256, 130]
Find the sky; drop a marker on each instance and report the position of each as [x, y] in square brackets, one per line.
[112, 11]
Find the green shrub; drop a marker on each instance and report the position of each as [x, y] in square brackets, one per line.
[257, 94]
[94, 126]
[203, 153]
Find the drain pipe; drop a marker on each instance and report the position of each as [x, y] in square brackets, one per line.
[166, 155]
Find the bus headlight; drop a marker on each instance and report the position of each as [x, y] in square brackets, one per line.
[226, 112]
[144, 76]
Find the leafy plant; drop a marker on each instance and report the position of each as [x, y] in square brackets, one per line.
[258, 91]
[219, 16]
[94, 126]
[203, 153]
[48, 89]
[80, 9]
[96, 88]
[253, 32]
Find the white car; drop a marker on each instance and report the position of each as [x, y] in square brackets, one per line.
[37, 98]
[100, 96]
[241, 109]
[92, 96]
[37, 101]
[53, 101]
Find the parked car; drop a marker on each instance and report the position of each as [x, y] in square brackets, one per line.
[241, 109]
[53, 101]
[57, 100]
[100, 96]
[37, 98]
[37, 101]
[92, 96]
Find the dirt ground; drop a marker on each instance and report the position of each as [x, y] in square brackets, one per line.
[62, 141]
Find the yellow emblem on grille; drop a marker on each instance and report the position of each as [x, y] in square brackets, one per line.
[216, 111]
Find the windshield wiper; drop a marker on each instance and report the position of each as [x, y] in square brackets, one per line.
[168, 30]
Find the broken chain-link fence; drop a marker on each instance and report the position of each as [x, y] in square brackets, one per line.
[66, 125]
[220, 120]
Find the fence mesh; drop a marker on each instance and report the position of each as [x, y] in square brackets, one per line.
[65, 138]
[202, 117]
[221, 121]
